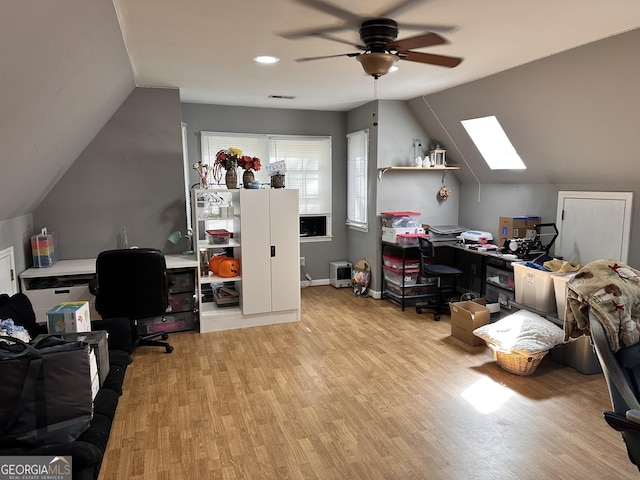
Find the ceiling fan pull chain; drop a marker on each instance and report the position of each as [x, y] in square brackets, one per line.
[375, 101]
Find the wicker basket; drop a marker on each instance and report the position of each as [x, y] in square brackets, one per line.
[516, 362]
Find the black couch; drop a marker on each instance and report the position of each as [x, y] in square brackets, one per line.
[88, 449]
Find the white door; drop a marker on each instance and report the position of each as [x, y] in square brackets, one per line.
[593, 226]
[8, 282]
[255, 238]
[285, 254]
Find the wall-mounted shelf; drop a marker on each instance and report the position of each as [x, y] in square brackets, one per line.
[444, 170]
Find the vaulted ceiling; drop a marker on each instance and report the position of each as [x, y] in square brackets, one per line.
[68, 65]
[205, 48]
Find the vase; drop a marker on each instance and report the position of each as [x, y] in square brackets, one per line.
[277, 181]
[231, 178]
[248, 178]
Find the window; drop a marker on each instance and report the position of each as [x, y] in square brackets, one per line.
[493, 143]
[357, 187]
[307, 159]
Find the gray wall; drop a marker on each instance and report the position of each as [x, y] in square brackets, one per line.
[131, 174]
[391, 144]
[65, 71]
[573, 119]
[217, 118]
[481, 207]
[17, 233]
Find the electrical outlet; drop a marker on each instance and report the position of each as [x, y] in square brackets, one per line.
[302, 261]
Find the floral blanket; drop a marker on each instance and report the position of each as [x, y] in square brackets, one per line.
[611, 290]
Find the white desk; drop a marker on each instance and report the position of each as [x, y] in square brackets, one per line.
[87, 266]
[68, 281]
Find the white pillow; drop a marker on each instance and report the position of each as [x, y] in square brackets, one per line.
[522, 332]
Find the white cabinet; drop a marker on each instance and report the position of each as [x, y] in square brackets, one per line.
[264, 230]
[269, 233]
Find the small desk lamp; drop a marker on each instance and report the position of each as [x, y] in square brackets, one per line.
[177, 235]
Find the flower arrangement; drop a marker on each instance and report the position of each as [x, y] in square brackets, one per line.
[203, 170]
[10, 329]
[230, 159]
[249, 163]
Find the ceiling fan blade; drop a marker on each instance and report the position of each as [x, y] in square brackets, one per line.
[426, 28]
[308, 59]
[316, 32]
[341, 40]
[440, 60]
[418, 41]
[334, 10]
[399, 7]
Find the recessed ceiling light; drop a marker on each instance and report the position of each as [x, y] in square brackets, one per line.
[266, 59]
[393, 69]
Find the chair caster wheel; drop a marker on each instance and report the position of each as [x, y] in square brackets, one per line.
[169, 348]
[165, 336]
[436, 317]
[418, 310]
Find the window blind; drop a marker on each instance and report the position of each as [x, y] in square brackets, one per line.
[357, 186]
[307, 159]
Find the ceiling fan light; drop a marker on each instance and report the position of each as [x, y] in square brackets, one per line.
[377, 64]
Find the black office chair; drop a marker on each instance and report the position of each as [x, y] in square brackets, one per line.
[134, 284]
[444, 278]
[622, 373]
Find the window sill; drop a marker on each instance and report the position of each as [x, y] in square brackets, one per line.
[325, 238]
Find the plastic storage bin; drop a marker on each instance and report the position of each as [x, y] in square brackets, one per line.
[396, 262]
[400, 219]
[395, 275]
[560, 291]
[534, 288]
[219, 236]
[44, 248]
[409, 239]
[578, 354]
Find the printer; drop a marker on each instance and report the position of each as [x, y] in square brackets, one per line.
[445, 233]
[474, 236]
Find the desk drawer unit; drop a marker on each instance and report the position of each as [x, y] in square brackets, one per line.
[183, 282]
[499, 295]
[44, 299]
[171, 322]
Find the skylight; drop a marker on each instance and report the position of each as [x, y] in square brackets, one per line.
[493, 144]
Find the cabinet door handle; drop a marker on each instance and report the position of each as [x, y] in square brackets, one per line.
[58, 292]
[273, 250]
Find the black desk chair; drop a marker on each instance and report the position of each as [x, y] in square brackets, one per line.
[443, 277]
[134, 284]
[622, 373]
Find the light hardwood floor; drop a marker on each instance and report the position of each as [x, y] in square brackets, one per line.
[356, 390]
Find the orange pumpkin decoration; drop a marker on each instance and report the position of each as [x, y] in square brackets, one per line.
[214, 263]
[229, 267]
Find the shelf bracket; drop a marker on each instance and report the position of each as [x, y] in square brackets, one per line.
[381, 172]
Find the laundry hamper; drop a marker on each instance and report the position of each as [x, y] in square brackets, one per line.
[516, 362]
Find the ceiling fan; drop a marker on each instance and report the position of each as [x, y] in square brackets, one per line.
[380, 47]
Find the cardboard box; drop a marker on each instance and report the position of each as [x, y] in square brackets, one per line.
[69, 317]
[465, 318]
[515, 227]
[494, 308]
